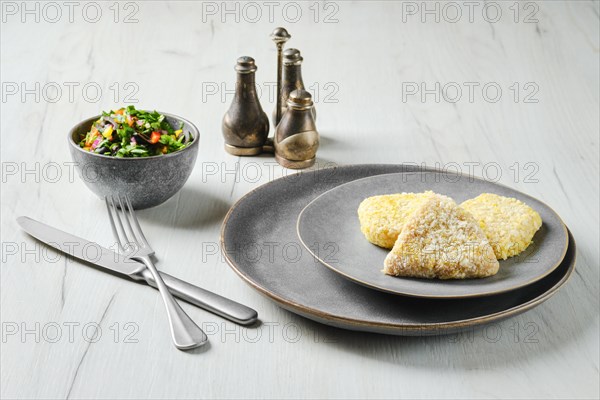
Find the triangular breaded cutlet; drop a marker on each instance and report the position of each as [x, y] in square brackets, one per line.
[441, 240]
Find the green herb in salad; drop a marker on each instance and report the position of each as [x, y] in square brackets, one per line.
[128, 132]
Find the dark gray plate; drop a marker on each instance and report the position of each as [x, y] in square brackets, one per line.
[259, 242]
[331, 222]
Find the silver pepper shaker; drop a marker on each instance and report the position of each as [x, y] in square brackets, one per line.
[296, 138]
[292, 79]
[279, 36]
[245, 125]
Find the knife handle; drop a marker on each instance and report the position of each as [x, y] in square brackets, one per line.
[204, 299]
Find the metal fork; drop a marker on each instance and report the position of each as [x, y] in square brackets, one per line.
[132, 242]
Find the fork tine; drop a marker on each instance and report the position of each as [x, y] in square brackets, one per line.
[127, 223]
[136, 224]
[112, 222]
[124, 239]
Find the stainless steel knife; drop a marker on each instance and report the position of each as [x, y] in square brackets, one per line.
[94, 253]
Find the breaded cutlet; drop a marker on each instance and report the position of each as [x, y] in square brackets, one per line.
[441, 240]
[382, 217]
[508, 223]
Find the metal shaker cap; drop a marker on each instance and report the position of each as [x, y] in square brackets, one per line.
[245, 65]
[292, 57]
[280, 35]
[300, 100]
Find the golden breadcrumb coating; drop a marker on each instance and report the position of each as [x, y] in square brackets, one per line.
[441, 240]
[508, 223]
[382, 217]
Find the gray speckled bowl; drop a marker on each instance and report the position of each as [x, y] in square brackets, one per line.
[148, 181]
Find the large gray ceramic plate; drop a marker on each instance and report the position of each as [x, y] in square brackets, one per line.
[331, 222]
[260, 243]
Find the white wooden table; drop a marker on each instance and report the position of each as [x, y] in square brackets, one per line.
[513, 99]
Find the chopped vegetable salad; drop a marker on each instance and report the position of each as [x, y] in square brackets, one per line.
[128, 132]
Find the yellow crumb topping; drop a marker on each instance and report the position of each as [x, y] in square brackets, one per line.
[382, 217]
[441, 240]
[508, 223]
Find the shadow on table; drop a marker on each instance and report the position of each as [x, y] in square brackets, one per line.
[505, 342]
[189, 209]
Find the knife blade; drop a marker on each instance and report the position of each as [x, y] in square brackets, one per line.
[93, 253]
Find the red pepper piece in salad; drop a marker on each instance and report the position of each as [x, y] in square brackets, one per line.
[155, 137]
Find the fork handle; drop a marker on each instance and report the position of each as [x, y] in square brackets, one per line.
[209, 301]
[185, 333]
